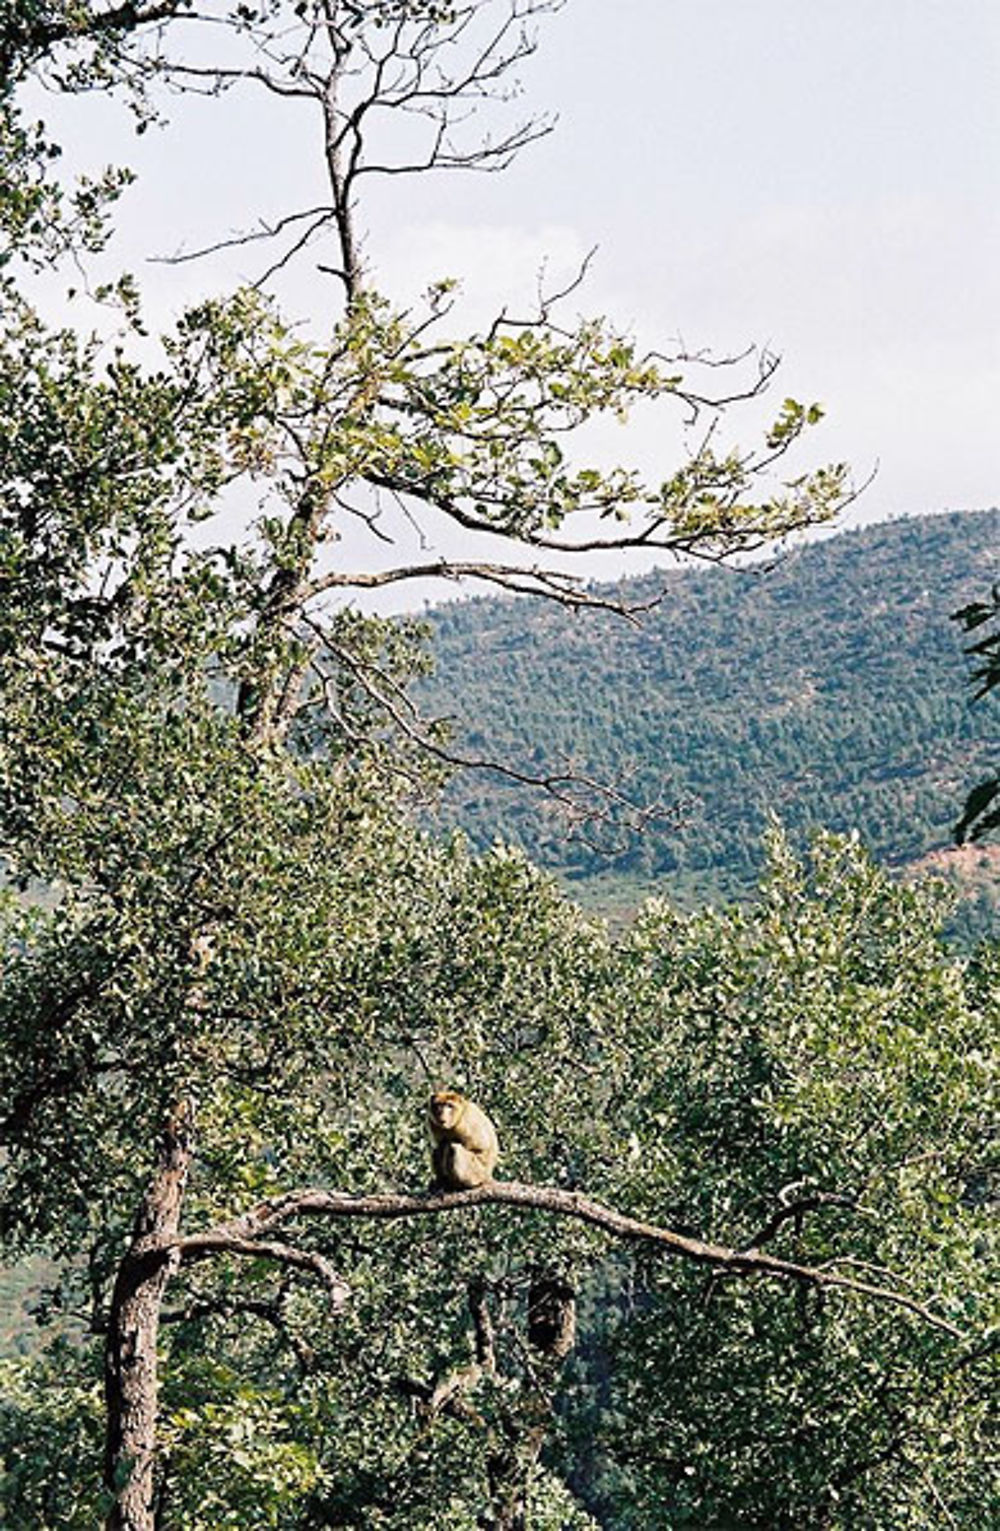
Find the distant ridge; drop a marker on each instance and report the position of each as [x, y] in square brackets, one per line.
[829, 689]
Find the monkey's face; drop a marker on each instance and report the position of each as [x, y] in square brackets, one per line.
[446, 1108]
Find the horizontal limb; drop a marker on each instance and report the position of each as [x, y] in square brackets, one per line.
[240, 1234]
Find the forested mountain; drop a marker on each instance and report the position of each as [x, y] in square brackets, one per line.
[829, 689]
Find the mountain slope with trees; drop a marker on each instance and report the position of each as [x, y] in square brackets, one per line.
[828, 689]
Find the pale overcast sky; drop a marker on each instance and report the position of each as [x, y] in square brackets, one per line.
[822, 178]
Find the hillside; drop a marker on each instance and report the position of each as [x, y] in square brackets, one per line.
[829, 689]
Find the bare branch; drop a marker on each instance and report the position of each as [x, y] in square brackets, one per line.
[438, 69]
[218, 79]
[558, 585]
[934, 1492]
[284, 1254]
[319, 215]
[490, 156]
[241, 1235]
[795, 1211]
[269, 1312]
[581, 798]
[546, 301]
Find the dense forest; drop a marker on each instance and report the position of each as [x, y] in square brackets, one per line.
[827, 688]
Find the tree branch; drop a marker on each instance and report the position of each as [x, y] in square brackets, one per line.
[581, 798]
[33, 39]
[558, 585]
[795, 1211]
[319, 215]
[241, 1234]
[230, 1243]
[269, 1312]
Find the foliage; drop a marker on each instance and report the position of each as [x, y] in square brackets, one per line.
[231, 965]
[70, 45]
[802, 1039]
[715, 1071]
[51, 1427]
[981, 814]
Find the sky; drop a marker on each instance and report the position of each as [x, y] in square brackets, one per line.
[821, 179]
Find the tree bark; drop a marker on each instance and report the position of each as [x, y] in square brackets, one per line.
[551, 1330]
[508, 1471]
[130, 1370]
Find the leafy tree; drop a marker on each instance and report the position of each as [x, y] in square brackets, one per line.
[824, 1075]
[229, 965]
[813, 1076]
[982, 813]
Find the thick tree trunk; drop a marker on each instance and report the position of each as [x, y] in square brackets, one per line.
[130, 1370]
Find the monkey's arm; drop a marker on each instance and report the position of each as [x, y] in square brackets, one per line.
[477, 1132]
[440, 1164]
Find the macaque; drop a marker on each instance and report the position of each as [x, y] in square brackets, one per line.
[465, 1142]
